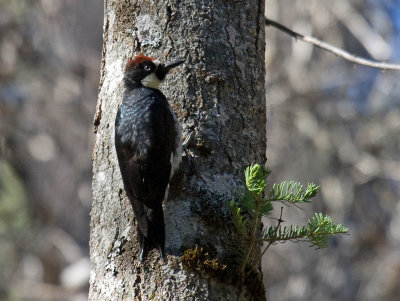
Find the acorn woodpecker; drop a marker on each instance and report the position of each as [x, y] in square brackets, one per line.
[149, 148]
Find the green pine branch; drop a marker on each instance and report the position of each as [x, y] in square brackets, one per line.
[255, 205]
[239, 220]
[256, 178]
[293, 192]
[317, 232]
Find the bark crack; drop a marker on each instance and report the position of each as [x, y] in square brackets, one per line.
[234, 58]
[258, 26]
[169, 12]
[167, 22]
[98, 115]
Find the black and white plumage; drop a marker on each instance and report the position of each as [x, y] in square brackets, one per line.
[149, 148]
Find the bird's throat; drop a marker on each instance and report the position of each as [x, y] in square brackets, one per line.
[151, 81]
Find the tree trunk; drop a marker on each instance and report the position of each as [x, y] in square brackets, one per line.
[219, 96]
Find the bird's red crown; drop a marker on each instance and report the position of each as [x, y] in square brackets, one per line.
[137, 60]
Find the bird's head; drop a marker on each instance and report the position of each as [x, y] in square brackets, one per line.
[147, 71]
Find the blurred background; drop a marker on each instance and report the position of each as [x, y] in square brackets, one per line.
[338, 125]
[329, 121]
[50, 53]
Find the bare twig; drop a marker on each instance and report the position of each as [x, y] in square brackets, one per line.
[335, 50]
[280, 220]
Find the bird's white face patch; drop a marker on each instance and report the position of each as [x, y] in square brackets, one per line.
[151, 81]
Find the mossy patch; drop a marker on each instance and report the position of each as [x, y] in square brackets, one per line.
[199, 260]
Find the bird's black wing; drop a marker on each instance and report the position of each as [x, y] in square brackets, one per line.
[144, 140]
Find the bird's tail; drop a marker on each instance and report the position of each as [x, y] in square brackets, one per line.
[150, 226]
[155, 236]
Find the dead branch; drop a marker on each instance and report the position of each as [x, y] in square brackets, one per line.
[335, 50]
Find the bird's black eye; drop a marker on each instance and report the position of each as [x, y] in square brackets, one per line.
[147, 68]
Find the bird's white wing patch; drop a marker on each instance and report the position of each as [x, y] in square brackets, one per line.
[176, 155]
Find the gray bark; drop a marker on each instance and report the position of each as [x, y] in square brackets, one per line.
[219, 96]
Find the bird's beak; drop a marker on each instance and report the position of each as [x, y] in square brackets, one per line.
[168, 66]
[163, 69]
